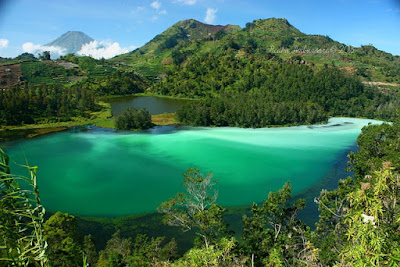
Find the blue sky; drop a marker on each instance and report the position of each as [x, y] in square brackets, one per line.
[126, 24]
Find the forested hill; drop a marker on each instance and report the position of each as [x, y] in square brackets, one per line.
[245, 92]
[267, 73]
[260, 39]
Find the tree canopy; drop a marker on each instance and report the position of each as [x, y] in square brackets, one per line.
[133, 119]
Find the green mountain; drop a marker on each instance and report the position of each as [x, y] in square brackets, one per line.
[154, 57]
[72, 41]
[260, 39]
[268, 73]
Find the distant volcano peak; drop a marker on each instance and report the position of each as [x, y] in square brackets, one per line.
[72, 41]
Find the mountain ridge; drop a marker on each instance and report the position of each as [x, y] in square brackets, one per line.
[261, 39]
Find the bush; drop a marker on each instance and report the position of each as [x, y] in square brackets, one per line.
[133, 119]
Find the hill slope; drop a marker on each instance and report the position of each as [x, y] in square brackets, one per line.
[155, 57]
[72, 41]
[259, 39]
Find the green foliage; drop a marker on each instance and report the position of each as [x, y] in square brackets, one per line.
[117, 83]
[20, 105]
[273, 233]
[249, 110]
[252, 93]
[386, 63]
[196, 209]
[45, 55]
[60, 234]
[220, 34]
[25, 56]
[258, 39]
[133, 119]
[220, 254]
[143, 252]
[44, 73]
[373, 221]
[21, 216]
[101, 76]
[89, 250]
[116, 252]
[342, 234]
[169, 43]
[377, 143]
[179, 56]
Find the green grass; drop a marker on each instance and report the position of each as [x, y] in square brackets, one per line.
[164, 119]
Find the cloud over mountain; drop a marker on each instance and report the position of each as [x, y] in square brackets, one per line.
[211, 15]
[102, 49]
[78, 43]
[55, 51]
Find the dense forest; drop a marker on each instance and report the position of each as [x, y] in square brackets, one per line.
[116, 83]
[253, 110]
[248, 93]
[359, 222]
[45, 103]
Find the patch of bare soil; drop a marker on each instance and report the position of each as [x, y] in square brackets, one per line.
[10, 75]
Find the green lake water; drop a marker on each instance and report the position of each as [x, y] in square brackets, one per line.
[103, 172]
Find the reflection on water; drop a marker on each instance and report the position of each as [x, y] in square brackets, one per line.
[155, 105]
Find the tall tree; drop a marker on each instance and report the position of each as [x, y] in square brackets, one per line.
[45, 55]
[60, 233]
[196, 209]
[273, 234]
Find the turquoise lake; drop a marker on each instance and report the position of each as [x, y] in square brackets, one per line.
[102, 172]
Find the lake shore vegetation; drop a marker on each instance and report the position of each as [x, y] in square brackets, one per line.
[359, 222]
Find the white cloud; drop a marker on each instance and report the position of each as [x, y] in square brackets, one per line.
[55, 51]
[102, 49]
[210, 15]
[163, 12]
[4, 43]
[137, 10]
[395, 10]
[187, 2]
[156, 4]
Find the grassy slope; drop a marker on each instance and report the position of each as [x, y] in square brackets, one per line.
[270, 35]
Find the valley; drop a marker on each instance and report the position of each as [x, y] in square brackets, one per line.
[265, 145]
